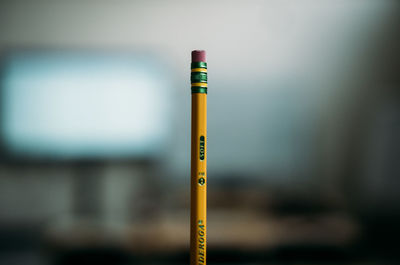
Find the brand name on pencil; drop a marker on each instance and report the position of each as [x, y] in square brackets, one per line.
[202, 147]
[202, 240]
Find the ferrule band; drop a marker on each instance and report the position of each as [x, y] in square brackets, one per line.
[198, 77]
[199, 84]
[199, 65]
[199, 90]
[203, 70]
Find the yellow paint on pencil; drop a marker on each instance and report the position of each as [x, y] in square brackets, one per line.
[199, 179]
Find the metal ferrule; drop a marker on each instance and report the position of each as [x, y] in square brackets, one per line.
[198, 77]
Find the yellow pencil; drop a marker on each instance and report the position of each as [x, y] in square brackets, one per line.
[198, 195]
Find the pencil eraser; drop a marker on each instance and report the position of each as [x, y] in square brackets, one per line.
[198, 56]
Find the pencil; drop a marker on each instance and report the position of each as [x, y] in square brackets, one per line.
[198, 194]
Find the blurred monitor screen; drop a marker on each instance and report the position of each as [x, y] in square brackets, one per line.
[72, 105]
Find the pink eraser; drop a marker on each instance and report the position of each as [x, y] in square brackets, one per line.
[198, 56]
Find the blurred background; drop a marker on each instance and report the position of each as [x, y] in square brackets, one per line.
[303, 131]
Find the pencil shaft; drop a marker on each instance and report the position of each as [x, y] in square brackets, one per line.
[198, 180]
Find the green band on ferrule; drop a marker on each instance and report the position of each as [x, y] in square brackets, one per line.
[198, 77]
[198, 89]
[199, 65]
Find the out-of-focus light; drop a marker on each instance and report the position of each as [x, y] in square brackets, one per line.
[73, 105]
